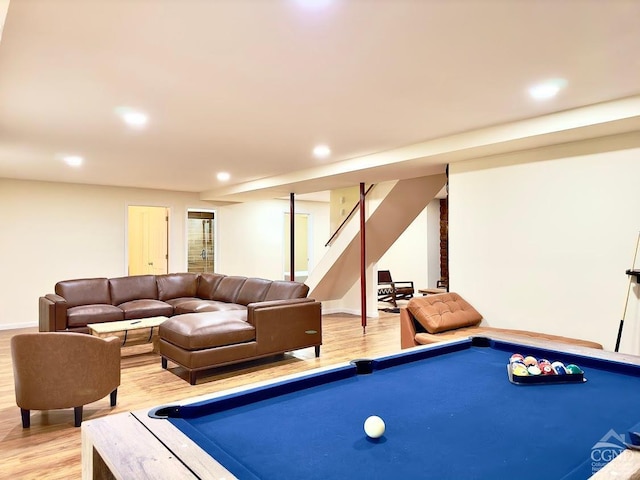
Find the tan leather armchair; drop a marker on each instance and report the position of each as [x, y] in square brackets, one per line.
[447, 316]
[55, 370]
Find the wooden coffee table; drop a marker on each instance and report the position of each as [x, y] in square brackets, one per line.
[132, 332]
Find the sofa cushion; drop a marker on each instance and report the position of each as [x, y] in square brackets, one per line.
[253, 290]
[207, 284]
[145, 308]
[228, 288]
[174, 302]
[442, 312]
[213, 306]
[189, 305]
[174, 285]
[86, 291]
[198, 305]
[135, 287]
[196, 331]
[82, 315]
[286, 290]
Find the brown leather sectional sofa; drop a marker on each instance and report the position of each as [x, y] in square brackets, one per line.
[215, 319]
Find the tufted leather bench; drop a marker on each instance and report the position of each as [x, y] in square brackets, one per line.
[447, 316]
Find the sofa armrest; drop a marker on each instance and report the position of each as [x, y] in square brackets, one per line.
[284, 325]
[52, 313]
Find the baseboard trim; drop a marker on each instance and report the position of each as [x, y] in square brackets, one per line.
[17, 326]
[348, 311]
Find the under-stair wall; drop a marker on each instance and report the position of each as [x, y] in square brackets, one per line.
[389, 212]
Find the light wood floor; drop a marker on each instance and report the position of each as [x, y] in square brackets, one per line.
[50, 449]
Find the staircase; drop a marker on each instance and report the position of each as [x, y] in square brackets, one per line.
[391, 208]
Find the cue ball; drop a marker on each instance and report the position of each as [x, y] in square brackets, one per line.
[374, 426]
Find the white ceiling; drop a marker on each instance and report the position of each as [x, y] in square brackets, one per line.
[251, 86]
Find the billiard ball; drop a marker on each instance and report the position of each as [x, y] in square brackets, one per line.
[529, 360]
[559, 368]
[374, 426]
[516, 357]
[519, 369]
[547, 370]
[533, 370]
[573, 369]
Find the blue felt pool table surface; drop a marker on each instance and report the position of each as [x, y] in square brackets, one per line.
[450, 412]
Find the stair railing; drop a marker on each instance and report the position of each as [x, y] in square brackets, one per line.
[347, 218]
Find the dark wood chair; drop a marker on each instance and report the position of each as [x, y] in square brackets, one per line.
[390, 291]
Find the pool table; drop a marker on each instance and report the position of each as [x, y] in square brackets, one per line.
[450, 410]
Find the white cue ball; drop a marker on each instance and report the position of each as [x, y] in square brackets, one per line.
[374, 426]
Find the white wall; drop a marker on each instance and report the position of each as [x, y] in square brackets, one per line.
[408, 257]
[52, 231]
[544, 245]
[350, 303]
[251, 236]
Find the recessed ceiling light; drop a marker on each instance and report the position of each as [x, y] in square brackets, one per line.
[132, 118]
[223, 176]
[321, 151]
[73, 160]
[314, 3]
[548, 89]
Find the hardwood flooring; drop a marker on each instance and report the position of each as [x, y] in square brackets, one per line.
[50, 449]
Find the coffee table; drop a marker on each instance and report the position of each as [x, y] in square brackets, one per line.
[131, 331]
